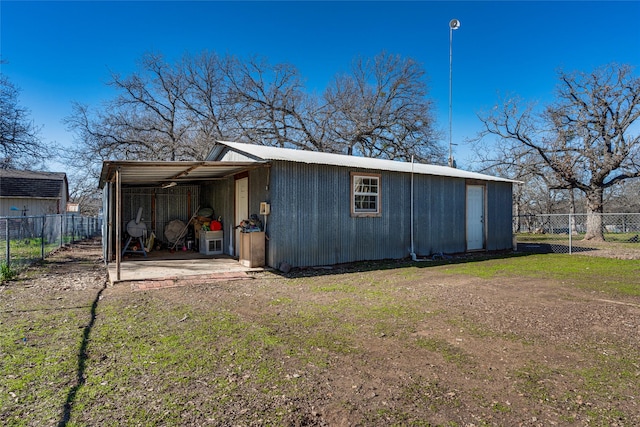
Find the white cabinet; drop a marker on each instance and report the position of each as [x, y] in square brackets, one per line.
[211, 242]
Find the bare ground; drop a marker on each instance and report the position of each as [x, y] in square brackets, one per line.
[459, 350]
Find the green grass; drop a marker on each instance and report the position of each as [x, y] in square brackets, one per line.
[29, 249]
[449, 352]
[147, 347]
[611, 375]
[38, 361]
[608, 275]
[158, 358]
[6, 272]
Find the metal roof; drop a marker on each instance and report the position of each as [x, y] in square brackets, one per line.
[159, 173]
[314, 157]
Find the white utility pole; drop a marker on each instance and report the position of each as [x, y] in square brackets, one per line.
[454, 24]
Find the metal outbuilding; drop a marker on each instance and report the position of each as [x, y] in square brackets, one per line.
[317, 208]
[318, 215]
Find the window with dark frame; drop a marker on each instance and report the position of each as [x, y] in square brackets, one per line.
[365, 194]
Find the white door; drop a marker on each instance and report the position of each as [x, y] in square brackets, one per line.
[475, 217]
[242, 209]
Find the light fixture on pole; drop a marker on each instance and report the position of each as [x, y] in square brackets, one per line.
[454, 24]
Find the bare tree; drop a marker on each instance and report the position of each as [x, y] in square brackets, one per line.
[213, 108]
[584, 140]
[272, 107]
[20, 143]
[84, 191]
[147, 120]
[175, 111]
[381, 109]
[624, 197]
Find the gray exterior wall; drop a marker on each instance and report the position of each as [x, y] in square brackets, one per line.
[311, 223]
[34, 206]
[439, 214]
[219, 195]
[499, 216]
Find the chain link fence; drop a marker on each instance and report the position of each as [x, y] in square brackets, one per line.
[564, 233]
[26, 239]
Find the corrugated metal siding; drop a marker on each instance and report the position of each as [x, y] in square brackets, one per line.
[171, 203]
[234, 156]
[219, 196]
[311, 222]
[258, 188]
[499, 216]
[439, 215]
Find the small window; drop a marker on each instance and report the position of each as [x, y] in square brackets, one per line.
[365, 195]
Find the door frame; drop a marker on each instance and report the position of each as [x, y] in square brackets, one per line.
[241, 212]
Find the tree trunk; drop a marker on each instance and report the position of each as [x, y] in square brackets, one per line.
[572, 213]
[516, 212]
[594, 215]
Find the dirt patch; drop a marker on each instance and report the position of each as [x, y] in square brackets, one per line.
[393, 345]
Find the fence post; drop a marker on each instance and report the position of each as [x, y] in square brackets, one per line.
[44, 220]
[61, 231]
[570, 231]
[6, 226]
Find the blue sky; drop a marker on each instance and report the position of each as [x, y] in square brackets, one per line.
[59, 52]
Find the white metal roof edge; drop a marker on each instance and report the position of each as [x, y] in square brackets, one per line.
[315, 157]
[149, 172]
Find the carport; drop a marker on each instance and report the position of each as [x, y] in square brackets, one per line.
[119, 175]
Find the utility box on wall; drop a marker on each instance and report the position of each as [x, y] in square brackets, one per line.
[252, 251]
[211, 242]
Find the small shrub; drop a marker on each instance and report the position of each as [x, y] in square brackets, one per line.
[6, 272]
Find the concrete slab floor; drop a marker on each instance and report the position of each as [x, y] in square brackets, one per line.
[164, 264]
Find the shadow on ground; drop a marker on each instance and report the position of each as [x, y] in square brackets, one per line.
[433, 260]
[551, 248]
[82, 357]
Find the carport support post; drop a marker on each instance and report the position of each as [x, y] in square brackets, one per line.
[118, 214]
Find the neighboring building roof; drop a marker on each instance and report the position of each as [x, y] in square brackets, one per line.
[18, 183]
[314, 157]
